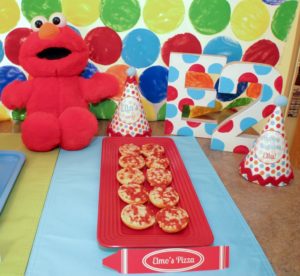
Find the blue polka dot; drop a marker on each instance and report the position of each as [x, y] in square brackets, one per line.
[154, 83]
[89, 71]
[217, 144]
[173, 74]
[267, 93]
[262, 69]
[8, 74]
[223, 97]
[185, 131]
[1, 51]
[224, 46]
[189, 58]
[141, 48]
[195, 93]
[226, 85]
[209, 128]
[273, 2]
[171, 110]
[215, 68]
[247, 123]
[212, 104]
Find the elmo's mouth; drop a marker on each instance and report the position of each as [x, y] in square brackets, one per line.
[54, 53]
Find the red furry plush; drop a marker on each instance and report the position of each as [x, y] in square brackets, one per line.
[56, 98]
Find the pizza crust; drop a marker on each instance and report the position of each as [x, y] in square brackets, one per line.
[162, 196]
[133, 193]
[129, 149]
[137, 216]
[132, 161]
[130, 176]
[158, 176]
[172, 219]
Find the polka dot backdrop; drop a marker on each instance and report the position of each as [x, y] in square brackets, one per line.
[122, 33]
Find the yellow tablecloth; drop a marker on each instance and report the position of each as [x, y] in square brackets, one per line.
[20, 216]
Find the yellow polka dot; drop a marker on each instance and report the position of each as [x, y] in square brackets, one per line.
[81, 13]
[9, 15]
[149, 110]
[250, 19]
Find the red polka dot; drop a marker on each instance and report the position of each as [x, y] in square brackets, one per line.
[278, 84]
[267, 169]
[256, 169]
[168, 127]
[251, 158]
[241, 149]
[181, 43]
[185, 101]
[197, 68]
[227, 127]
[278, 125]
[104, 45]
[13, 43]
[268, 110]
[172, 93]
[193, 124]
[262, 51]
[248, 77]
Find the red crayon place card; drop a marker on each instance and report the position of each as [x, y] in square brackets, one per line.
[168, 260]
[112, 232]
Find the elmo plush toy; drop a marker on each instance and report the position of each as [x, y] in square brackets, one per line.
[56, 98]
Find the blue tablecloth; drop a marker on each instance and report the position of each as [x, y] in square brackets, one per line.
[66, 244]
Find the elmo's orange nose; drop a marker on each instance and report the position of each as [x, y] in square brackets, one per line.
[48, 31]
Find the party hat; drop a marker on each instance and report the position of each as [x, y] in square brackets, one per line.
[268, 163]
[129, 118]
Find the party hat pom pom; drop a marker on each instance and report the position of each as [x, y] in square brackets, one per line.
[281, 101]
[131, 71]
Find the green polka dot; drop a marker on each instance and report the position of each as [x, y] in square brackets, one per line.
[209, 17]
[33, 8]
[104, 110]
[161, 115]
[283, 19]
[120, 15]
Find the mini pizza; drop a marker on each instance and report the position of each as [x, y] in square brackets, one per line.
[133, 193]
[129, 149]
[137, 216]
[162, 196]
[172, 219]
[157, 162]
[132, 161]
[152, 149]
[130, 176]
[158, 176]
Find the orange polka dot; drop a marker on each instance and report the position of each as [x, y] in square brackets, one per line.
[198, 80]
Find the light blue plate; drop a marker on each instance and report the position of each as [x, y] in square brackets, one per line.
[11, 163]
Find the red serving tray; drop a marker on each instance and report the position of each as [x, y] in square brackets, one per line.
[112, 232]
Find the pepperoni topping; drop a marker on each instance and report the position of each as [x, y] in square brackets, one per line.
[133, 193]
[137, 216]
[126, 161]
[129, 149]
[130, 175]
[152, 149]
[162, 196]
[156, 162]
[158, 176]
[172, 219]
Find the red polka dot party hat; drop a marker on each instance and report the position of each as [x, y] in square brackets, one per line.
[268, 163]
[129, 118]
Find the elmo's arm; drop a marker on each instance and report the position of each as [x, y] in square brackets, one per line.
[99, 87]
[16, 94]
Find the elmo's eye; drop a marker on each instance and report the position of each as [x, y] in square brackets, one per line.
[58, 19]
[37, 23]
